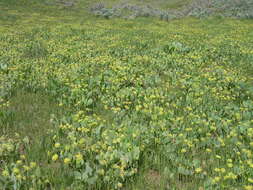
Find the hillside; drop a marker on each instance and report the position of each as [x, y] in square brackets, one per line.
[168, 10]
[161, 4]
[100, 103]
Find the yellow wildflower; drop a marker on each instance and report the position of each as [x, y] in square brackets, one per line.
[120, 185]
[33, 164]
[55, 157]
[183, 150]
[248, 187]
[15, 170]
[5, 173]
[198, 170]
[57, 145]
[67, 161]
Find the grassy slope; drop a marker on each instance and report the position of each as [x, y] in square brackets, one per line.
[161, 4]
[28, 23]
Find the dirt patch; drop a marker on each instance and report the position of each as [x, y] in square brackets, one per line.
[153, 178]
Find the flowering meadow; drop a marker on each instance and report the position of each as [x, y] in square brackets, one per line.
[133, 97]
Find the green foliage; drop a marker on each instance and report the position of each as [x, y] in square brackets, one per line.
[112, 104]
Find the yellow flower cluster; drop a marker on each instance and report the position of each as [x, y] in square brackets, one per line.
[174, 94]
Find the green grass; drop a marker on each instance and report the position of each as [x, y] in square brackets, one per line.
[28, 112]
[31, 116]
[142, 104]
[86, 4]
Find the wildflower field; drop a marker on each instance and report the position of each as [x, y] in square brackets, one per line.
[94, 103]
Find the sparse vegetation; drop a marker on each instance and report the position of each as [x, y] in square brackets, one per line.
[196, 8]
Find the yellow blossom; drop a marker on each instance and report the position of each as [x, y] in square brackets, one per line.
[250, 180]
[248, 187]
[57, 145]
[198, 170]
[55, 157]
[5, 173]
[216, 179]
[19, 162]
[67, 161]
[33, 164]
[15, 170]
[183, 150]
[120, 185]
[22, 157]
